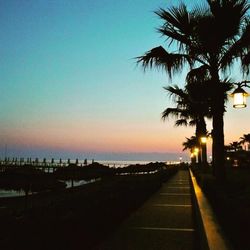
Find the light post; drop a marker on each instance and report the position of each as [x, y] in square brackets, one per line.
[203, 141]
[193, 158]
[196, 153]
[240, 95]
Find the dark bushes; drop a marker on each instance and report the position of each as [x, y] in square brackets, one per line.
[231, 203]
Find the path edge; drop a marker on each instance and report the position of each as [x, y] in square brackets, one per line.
[210, 233]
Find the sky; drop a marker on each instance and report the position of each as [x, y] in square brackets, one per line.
[70, 85]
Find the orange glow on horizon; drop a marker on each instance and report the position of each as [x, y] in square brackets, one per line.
[106, 137]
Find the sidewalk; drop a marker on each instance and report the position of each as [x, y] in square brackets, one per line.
[165, 221]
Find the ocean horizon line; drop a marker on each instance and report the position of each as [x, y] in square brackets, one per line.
[97, 156]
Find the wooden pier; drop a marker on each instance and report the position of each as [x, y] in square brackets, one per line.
[45, 165]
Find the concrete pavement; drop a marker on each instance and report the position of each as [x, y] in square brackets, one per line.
[165, 221]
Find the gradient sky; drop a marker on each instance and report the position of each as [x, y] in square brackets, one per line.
[69, 83]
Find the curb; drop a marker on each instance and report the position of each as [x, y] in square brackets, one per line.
[210, 232]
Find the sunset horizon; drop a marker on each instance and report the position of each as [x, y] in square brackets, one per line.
[62, 89]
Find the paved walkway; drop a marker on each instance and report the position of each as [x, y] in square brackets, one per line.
[165, 221]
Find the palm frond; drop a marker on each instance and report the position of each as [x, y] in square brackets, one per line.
[198, 75]
[192, 123]
[190, 143]
[181, 122]
[228, 16]
[245, 138]
[174, 112]
[246, 63]
[177, 26]
[237, 49]
[160, 58]
[175, 92]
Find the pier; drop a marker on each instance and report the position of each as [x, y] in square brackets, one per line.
[50, 165]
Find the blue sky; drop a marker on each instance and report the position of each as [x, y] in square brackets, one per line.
[69, 81]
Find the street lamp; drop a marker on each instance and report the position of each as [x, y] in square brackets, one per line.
[240, 95]
[196, 154]
[196, 151]
[203, 139]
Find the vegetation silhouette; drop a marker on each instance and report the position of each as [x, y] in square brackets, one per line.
[235, 146]
[191, 109]
[230, 199]
[210, 39]
[245, 139]
[191, 143]
[236, 154]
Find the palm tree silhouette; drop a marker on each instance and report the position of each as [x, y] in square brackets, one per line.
[190, 143]
[189, 111]
[210, 39]
[235, 145]
[245, 139]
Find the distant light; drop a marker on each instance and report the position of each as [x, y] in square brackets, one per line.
[240, 98]
[228, 158]
[203, 139]
[196, 151]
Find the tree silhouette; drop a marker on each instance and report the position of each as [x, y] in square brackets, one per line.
[235, 146]
[245, 139]
[189, 111]
[209, 39]
[190, 143]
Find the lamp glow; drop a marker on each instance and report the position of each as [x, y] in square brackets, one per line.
[196, 151]
[240, 98]
[203, 139]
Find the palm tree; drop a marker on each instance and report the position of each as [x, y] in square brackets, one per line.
[245, 139]
[210, 39]
[191, 143]
[189, 111]
[235, 146]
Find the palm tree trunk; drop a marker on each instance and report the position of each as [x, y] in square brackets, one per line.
[218, 140]
[204, 153]
[193, 160]
[201, 130]
[218, 109]
[199, 156]
[197, 134]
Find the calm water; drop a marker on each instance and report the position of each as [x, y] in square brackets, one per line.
[80, 182]
[13, 193]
